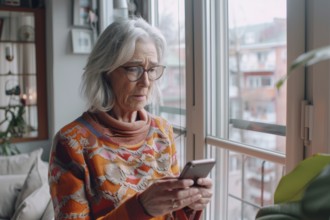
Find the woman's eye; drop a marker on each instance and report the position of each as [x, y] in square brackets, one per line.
[152, 71]
[132, 69]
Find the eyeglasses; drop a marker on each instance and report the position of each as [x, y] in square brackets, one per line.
[134, 73]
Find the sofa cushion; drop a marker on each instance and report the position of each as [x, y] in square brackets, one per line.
[18, 164]
[36, 177]
[49, 212]
[33, 206]
[9, 190]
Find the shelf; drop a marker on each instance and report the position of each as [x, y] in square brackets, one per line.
[32, 76]
[21, 8]
[16, 42]
[16, 106]
[18, 74]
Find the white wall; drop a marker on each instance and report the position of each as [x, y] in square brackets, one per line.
[64, 68]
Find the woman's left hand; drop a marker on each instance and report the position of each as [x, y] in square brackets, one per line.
[205, 189]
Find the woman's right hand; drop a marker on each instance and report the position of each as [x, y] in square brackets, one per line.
[168, 195]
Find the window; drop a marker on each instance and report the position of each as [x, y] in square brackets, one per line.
[257, 81]
[239, 53]
[170, 20]
[224, 59]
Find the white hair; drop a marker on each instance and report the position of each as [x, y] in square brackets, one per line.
[115, 47]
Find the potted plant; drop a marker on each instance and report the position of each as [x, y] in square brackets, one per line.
[304, 193]
[306, 59]
[14, 122]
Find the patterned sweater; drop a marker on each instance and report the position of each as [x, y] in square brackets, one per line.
[99, 165]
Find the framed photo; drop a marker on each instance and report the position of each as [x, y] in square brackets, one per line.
[13, 2]
[82, 41]
[1, 25]
[83, 11]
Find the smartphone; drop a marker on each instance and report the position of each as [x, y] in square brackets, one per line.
[197, 169]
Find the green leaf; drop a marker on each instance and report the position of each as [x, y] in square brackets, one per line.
[308, 59]
[292, 186]
[286, 211]
[316, 200]
[278, 216]
[280, 83]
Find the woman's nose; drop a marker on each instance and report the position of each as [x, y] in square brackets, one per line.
[144, 80]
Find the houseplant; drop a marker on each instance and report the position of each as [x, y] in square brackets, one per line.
[16, 125]
[306, 59]
[304, 193]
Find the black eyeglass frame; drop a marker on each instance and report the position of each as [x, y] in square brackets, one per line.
[126, 68]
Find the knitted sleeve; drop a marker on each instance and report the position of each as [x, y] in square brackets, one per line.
[67, 176]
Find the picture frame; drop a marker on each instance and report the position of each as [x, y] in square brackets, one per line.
[12, 2]
[1, 26]
[82, 41]
[82, 10]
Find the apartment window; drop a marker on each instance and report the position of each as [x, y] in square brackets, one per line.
[239, 48]
[257, 81]
[170, 19]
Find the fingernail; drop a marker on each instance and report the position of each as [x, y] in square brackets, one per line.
[191, 182]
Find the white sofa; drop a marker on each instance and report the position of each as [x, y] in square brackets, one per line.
[24, 191]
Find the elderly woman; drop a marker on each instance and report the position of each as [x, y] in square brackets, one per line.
[117, 161]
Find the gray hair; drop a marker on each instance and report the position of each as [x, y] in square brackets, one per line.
[115, 47]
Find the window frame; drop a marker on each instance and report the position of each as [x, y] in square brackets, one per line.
[318, 77]
[201, 62]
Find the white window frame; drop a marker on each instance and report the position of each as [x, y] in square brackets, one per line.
[195, 123]
[199, 63]
[295, 85]
[318, 76]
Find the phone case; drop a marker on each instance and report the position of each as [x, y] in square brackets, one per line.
[197, 169]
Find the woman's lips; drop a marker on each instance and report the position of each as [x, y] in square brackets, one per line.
[140, 97]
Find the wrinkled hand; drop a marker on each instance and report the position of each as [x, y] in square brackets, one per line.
[165, 196]
[205, 189]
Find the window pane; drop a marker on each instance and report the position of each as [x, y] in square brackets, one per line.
[246, 55]
[172, 84]
[257, 59]
[251, 183]
[171, 22]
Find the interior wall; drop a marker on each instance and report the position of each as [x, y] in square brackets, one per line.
[66, 68]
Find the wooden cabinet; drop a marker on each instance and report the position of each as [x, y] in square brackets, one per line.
[23, 70]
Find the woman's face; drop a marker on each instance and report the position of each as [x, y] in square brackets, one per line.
[133, 96]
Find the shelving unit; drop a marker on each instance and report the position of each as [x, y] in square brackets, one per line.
[23, 37]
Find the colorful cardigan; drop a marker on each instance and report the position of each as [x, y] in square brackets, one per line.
[97, 170]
